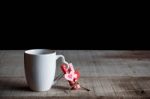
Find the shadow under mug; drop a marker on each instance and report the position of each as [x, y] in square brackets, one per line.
[40, 67]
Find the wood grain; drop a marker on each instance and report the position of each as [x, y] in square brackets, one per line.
[108, 74]
[129, 87]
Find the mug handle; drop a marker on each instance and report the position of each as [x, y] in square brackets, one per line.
[63, 61]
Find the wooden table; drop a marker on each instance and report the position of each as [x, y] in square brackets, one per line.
[108, 74]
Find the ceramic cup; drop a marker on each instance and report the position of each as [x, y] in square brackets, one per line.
[40, 67]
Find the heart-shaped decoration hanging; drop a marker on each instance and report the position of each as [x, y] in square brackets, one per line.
[69, 77]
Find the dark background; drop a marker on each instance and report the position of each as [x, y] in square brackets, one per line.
[115, 27]
[107, 34]
[90, 36]
[75, 41]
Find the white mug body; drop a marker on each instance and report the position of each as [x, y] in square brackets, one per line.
[40, 67]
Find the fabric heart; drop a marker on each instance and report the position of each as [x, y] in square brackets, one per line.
[69, 76]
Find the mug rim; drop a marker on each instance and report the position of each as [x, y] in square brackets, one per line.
[40, 52]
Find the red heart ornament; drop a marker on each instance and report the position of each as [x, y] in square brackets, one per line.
[69, 76]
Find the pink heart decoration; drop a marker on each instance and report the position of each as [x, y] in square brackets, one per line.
[69, 76]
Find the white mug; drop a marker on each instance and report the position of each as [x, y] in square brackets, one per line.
[40, 66]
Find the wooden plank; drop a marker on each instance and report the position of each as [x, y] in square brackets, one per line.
[109, 74]
[128, 87]
[99, 86]
[119, 91]
[141, 87]
[91, 63]
[11, 63]
[108, 90]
